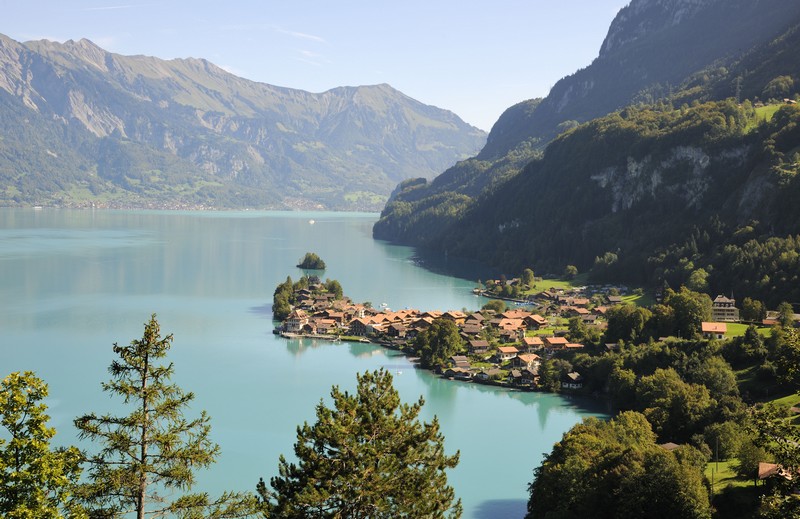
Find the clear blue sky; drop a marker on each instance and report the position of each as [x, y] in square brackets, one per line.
[475, 58]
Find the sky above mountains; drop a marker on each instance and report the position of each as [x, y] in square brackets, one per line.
[472, 57]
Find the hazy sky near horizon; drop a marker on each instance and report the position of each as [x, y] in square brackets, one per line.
[475, 58]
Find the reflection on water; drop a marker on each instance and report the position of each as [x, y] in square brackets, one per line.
[501, 509]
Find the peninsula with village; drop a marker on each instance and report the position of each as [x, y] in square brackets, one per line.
[522, 339]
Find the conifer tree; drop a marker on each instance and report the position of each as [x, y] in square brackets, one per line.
[367, 457]
[154, 451]
[35, 481]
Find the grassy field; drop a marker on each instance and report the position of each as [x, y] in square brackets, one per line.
[763, 114]
[723, 474]
[557, 284]
[738, 329]
[639, 300]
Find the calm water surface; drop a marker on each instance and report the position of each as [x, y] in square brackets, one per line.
[74, 282]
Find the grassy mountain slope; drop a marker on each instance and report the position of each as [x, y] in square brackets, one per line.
[186, 132]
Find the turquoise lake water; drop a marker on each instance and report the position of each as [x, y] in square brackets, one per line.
[74, 282]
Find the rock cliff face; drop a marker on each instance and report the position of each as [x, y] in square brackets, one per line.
[344, 149]
[652, 46]
[642, 18]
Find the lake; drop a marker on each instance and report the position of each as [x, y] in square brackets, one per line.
[73, 282]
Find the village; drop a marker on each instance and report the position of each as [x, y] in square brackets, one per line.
[498, 345]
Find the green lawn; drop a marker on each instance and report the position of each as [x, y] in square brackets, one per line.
[645, 299]
[763, 114]
[723, 474]
[738, 329]
[790, 400]
[558, 284]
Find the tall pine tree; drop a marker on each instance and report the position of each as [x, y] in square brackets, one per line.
[367, 457]
[154, 451]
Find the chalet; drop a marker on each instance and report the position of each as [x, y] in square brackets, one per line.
[459, 361]
[507, 336]
[571, 346]
[477, 347]
[398, 330]
[486, 375]
[456, 317]
[358, 326]
[580, 302]
[475, 319]
[337, 316]
[505, 353]
[457, 373]
[535, 321]
[516, 325]
[530, 376]
[470, 331]
[713, 330]
[531, 344]
[515, 377]
[421, 324]
[515, 314]
[555, 343]
[525, 360]
[434, 314]
[572, 311]
[724, 309]
[296, 320]
[572, 380]
[325, 326]
[614, 300]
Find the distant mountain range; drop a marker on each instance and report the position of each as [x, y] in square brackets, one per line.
[655, 163]
[81, 126]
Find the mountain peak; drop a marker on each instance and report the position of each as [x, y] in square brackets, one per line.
[645, 17]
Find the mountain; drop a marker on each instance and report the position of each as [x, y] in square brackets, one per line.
[669, 176]
[84, 126]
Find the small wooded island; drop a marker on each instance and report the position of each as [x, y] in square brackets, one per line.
[311, 262]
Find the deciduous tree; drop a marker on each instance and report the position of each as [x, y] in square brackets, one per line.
[368, 456]
[155, 450]
[438, 343]
[691, 309]
[616, 470]
[528, 277]
[35, 481]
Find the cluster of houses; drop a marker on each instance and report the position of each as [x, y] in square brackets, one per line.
[518, 339]
[511, 358]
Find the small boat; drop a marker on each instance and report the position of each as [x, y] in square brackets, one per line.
[311, 222]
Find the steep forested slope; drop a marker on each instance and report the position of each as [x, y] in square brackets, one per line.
[675, 50]
[654, 194]
[684, 181]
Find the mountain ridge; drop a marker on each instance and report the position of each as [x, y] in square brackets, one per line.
[345, 148]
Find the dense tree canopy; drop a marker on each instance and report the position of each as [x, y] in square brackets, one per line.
[616, 470]
[438, 343]
[368, 456]
[311, 261]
